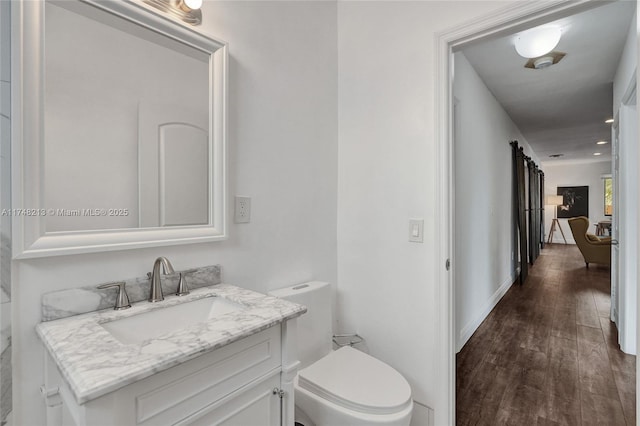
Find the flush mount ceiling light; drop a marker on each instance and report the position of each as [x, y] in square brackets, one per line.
[185, 10]
[537, 42]
[609, 120]
[597, 153]
[602, 143]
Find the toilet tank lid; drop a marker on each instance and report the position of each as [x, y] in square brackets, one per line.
[357, 381]
[283, 293]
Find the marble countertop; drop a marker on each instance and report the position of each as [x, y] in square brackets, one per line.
[94, 363]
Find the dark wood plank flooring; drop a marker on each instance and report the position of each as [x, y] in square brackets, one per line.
[548, 353]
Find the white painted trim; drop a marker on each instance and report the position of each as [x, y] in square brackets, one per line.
[30, 238]
[515, 17]
[627, 332]
[472, 326]
[445, 296]
[615, 167]
[630, 92]
[637, 75]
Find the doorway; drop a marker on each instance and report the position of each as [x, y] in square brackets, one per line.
[514, 19]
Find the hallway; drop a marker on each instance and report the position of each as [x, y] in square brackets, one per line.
[547, 354]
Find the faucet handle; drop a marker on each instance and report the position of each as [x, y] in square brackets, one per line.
[122, 300]
[183, 288]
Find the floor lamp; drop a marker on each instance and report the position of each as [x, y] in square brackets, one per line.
[555, 201]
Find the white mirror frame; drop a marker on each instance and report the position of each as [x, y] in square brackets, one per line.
[27, 52]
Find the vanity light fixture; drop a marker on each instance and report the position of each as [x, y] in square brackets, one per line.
[602, 143]
[189, 5]
[185, 10]
[609, 120]
[537, 42]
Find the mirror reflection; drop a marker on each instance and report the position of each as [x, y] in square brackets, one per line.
[126, 124]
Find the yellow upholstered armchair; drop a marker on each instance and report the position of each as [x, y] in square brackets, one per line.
[594, 249]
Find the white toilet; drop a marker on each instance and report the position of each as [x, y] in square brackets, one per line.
[345, 387]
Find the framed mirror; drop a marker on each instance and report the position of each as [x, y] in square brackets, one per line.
[120, 134]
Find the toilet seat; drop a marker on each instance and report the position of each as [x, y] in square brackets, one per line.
[357, 381]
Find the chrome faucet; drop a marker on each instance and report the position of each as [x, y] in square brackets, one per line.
[155, 294]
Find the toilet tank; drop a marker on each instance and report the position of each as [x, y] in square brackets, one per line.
[315, 326]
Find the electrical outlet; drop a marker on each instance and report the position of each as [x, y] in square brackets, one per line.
[242, 210]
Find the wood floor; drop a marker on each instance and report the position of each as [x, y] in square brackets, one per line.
[548, 354]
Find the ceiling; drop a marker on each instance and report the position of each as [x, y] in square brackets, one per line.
[561, 109]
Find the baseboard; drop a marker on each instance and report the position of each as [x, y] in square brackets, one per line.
[472, 326]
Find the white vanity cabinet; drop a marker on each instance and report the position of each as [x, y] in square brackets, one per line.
[237, 384]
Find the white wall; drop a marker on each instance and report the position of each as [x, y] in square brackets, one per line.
[387, 174]
[283, 154]
[576, 174]
[485, 259]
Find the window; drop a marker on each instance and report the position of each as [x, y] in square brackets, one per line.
[608, 196]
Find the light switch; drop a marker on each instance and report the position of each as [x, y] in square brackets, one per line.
[416, 228]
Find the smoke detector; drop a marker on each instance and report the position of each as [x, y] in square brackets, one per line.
[545, 61]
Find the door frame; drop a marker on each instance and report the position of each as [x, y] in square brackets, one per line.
[513, 18]
[615, 181]
[626, 277]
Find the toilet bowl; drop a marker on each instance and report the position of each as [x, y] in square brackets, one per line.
[345, 387]
[349, 387]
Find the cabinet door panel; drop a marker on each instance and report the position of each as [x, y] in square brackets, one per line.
[257, 406]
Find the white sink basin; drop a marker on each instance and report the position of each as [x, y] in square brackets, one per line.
[148, 325]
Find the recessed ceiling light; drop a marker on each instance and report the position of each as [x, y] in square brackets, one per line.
[602, 143]
[609, 120]
[556, 155]
[597, 153]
